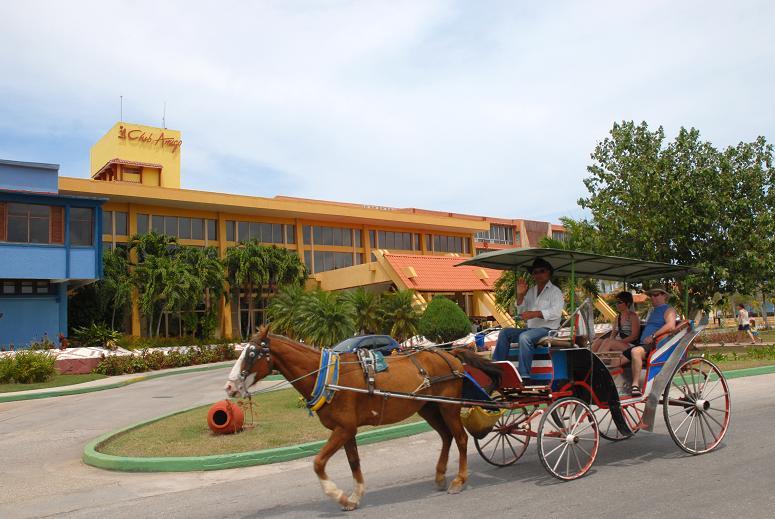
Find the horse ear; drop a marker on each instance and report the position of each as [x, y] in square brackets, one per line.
[263, 331]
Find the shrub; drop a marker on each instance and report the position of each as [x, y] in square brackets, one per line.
[97, 335]
[33, 366]
[7, 365]
[444, 321]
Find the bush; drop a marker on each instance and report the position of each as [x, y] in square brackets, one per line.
[33, 366]
[444, 321]
[97, 335]
[150, 359]
[7, 365]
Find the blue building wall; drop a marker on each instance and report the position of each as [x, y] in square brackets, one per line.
[28, 318]
[29, 177]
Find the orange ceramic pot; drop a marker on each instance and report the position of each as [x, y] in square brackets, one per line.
[225, 417]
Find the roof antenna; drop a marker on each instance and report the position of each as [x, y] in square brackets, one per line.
[121, 116]
[164, 116]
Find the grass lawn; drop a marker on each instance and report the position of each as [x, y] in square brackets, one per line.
[279, 422]
[56, 381]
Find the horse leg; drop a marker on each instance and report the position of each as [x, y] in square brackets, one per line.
[351, 448]
[451, 416]
[338, 438]
[432, 415]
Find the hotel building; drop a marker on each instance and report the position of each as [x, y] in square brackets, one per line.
[137, 169]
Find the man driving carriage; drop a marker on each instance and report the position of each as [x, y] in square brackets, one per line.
[540, 306]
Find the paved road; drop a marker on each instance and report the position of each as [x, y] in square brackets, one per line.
[644, 477]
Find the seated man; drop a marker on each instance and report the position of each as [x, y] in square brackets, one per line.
[661, 320]
[541, 308]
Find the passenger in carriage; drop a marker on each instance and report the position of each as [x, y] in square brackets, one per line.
[661, 320]
[541, 308]
[626, 331]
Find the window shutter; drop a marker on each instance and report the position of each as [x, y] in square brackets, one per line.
[2, 221]
[57, 224]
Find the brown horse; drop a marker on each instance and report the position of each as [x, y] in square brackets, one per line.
[349, 410]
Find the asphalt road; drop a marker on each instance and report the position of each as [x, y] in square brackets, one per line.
[647, 476]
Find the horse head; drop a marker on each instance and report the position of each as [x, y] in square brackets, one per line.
[253, 364]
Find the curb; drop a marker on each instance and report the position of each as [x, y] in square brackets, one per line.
[267, 456]
[14, 397]
[228, 461]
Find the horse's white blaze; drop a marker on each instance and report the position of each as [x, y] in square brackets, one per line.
[330, 489]
[233, 383]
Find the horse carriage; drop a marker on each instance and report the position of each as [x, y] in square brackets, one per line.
[574, 398]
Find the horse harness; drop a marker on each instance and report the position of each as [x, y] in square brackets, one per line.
[428, 381]
[253, 354]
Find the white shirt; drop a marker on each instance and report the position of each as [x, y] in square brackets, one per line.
[549, 302]
[742, 317]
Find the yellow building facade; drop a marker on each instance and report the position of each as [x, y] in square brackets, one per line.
[138, 169]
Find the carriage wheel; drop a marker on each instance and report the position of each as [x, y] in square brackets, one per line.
[568, 439]
[696, 406]
[633, 413]
[508, 439]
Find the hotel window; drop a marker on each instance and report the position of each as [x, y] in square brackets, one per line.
[501, 234]
[157, 224]
[328, 260]
[121, 219]
[396, 240]
[373, 239]
[81, 226]
[559, 235]
[18, 287]
[131, 174]
[290, 234]
[212, 230]
[107, 222]
[332, 236]
[28, 223]
[449, 244]
[230, 230]
[197, 229]
[142, 223]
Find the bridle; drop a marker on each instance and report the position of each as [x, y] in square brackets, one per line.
[252, 355]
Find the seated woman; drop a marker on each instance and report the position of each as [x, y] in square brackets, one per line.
[661, 320]
[626, 330]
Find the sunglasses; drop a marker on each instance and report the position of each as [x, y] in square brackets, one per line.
[539, 271]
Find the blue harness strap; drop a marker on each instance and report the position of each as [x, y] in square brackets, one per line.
[328, 373]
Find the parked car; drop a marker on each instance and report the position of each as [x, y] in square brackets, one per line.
[384, 344]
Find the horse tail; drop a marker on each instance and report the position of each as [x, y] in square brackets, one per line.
[491, 369]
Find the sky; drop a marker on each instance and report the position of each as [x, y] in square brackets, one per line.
[480, 107]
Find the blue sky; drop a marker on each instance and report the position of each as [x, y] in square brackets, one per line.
[481, 107]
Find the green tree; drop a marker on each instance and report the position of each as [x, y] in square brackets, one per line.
[366, 306]
[116, 284]
[151, 272]
[444, 321]
[685, 202]
[398, 314]
[206, 266]
[246, 268]
[285, 309]
[325, 318]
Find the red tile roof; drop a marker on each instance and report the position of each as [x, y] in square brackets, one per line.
[127, 163]
[439, 273]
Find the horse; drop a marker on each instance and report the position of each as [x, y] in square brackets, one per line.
[427, 372]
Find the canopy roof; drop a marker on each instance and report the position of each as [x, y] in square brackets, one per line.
[586, 264]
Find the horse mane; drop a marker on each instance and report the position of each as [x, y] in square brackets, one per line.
[263, 333]
[491, 369]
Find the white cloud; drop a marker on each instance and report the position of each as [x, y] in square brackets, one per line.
[487, 107]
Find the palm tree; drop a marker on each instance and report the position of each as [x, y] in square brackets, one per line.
[208, 268]
[247, 269]
[325, 318]
[117, 281]
[181, 289]
[284, 310]
[399, 315]
[283, 268]
[366, 307]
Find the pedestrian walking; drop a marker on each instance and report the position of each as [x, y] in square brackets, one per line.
[743, 324]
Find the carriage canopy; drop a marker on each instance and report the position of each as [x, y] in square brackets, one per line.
[583, 264]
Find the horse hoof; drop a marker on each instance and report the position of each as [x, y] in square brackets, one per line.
[441, 483]
[455, 488]
[350, 506]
